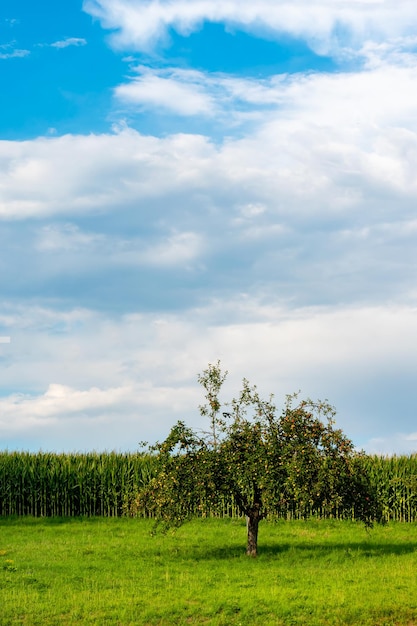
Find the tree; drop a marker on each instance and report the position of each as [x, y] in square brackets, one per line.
[266, 463]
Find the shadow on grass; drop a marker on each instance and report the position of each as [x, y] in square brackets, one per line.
[205, 550]
[305, 550]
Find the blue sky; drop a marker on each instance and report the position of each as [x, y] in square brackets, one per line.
[185, 181]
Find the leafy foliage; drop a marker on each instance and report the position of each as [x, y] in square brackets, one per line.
[265, 462]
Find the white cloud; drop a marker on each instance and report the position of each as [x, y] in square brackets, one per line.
[71, 175]
[69, 248]
[328, 26]
[21, 410]
[8, 52]
[398, 51]
[177, 249]
[57, 237]
[190, 92]
[152, 90]
[69, 41]
[111, 418]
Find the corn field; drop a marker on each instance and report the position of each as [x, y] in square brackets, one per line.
[49, 484]
[396, 481]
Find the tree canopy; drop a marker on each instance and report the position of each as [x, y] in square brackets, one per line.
[267, 463]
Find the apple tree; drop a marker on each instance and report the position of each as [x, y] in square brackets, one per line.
[266, 463]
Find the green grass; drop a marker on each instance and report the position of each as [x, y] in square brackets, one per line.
[111, 571]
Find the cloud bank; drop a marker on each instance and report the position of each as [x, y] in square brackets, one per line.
[266, 220]
[147, 367]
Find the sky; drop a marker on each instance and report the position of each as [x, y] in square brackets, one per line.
[183, 181]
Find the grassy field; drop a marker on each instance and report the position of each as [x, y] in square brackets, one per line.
[111, 571]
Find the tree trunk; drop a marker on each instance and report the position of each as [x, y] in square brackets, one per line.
[252, 523]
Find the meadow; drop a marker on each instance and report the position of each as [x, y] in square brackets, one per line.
[111, 570]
